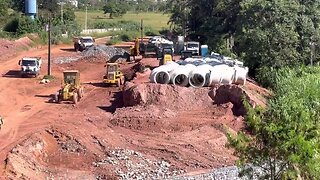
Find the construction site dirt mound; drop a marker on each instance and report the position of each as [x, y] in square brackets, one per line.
[48, 154]
[168, 108]
[10, 48]
[168, 96]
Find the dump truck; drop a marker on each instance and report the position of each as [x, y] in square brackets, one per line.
[30, 66]
[81, 43]
[194, 47]
[71, 89]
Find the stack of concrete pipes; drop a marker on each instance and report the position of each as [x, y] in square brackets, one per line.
[199, 73]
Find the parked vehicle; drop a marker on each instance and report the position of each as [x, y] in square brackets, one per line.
[30, 66]
[194, 47]
[81, 43]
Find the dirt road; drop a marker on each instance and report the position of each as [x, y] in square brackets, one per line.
[85, 140]
[23, 99]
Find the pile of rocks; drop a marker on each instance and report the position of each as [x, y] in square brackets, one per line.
[63, 60]
[134, 165]
[103, 51]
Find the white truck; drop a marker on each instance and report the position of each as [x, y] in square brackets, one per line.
[194, 47]
[30, 66]
[81, 43]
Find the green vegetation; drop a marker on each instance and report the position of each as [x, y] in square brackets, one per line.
[49, 77]
[16, 24]
[286, 136]
[115, 9]
[157, 21]
[271, 33]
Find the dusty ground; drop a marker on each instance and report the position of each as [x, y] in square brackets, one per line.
[147, 131]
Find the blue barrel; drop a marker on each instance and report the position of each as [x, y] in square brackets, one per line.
[204, 50]
[31, 8]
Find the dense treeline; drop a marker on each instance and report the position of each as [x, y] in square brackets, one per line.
[271, 33]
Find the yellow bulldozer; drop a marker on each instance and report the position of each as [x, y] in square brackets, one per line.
[71, 89]
[113, 75]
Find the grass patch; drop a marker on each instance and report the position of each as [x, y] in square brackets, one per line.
[49, 77]
[157, 20]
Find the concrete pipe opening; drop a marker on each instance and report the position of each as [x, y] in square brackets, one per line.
[162, 77]
[197, 80]
[181, 80]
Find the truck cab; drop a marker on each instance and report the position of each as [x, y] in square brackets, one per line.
[30, 66]
[81, 43]
[194, 47]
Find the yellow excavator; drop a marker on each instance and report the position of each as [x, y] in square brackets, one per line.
[113, 75]
[71, 89]
[138, 49]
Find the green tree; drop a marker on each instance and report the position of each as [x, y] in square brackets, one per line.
[4, 6]
[115, 9]
[44, 6]
[263, 33]
[18, 5]
[284, 139]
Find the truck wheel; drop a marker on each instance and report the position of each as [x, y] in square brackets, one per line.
[75, 98]
[76, 47]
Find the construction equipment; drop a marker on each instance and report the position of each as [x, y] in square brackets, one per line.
[194, 47]
[81, 43]
[113, 75]
[30, 66]
[167, 55]
[186, 54]
[71, 89]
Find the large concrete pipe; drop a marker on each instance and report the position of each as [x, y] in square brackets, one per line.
[227, 75]
[240, 75]
[221, 74]
[161, 74]
[180, 75]
[195, 61]
[200, 76]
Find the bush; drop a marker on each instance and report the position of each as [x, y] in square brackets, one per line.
[114, 40]
[12, 25]
[285, 137]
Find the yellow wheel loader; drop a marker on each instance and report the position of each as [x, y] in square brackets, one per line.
[113, 75]
[71, 89]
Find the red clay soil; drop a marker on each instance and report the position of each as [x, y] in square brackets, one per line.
[146, 123]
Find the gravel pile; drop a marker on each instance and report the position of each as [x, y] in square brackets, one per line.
[107, 52]
[63, 60]
[129, 164]
[226, 173]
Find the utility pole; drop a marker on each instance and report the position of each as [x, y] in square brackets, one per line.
[141, 29]
[86, 19]
[49, 46]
